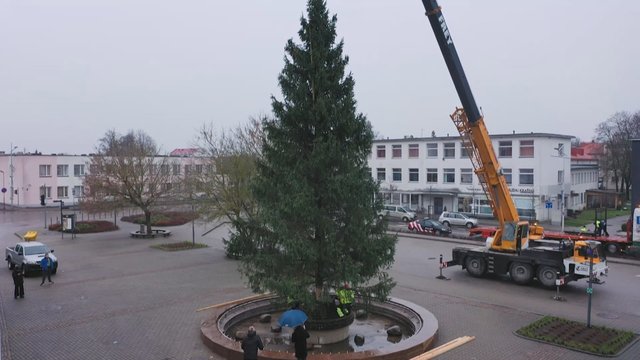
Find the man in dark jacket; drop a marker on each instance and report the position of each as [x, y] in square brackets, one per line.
[251, 343]
[18, 282]
[299, 338]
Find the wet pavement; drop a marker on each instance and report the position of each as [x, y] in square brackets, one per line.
[114, 297]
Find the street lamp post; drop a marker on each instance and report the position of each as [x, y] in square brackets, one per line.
[4, 202]
[593, 245]
[561, 155]
[11, 169]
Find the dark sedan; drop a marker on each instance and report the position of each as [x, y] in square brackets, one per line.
[428, 226]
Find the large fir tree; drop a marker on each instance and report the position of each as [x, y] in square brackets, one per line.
[317, 227]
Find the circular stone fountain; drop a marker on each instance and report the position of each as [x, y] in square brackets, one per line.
[419, 328]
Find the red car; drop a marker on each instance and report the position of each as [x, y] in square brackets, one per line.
[428, 226]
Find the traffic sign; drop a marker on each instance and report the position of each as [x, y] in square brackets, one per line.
[589, 290]
[548, 205]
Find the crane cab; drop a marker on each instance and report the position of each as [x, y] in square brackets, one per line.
[512, 237]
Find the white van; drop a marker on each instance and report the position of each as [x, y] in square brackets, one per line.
[397, 212]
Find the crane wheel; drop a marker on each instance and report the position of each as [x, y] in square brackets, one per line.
[476, 267]
[522, 273]
[547, 276]
[612, 248]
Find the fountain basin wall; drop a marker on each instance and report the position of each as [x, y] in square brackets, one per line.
[420, 321]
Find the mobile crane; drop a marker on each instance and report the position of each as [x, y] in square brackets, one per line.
[516, 247]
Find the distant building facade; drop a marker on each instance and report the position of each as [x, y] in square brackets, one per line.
[434, 174]
[60, 177]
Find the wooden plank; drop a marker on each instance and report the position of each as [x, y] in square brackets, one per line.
[233, 302]
[444, 348]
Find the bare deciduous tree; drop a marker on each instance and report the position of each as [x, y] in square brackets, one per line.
[128, 170]
[616, 134]
[230, 158]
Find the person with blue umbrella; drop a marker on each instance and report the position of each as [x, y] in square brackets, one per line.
[292, 318]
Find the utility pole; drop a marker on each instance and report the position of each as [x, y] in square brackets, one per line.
[11, 169]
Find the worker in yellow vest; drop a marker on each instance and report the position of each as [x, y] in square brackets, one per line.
[346, 297]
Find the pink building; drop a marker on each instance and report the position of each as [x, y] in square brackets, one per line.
[57, 176]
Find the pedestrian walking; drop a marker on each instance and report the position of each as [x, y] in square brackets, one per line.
[299, 339]
[46, 265]
[251, 343]
[18, 282]
[603, 226]
[598, 229]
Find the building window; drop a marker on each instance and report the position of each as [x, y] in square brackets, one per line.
[176, 169]
[381, 151]
[78, 191]
[507, 175]
[382, 174]
[164, 169]
[78, 170]
[505, 149]
[449, 176]
[414, 151]
[526, 176]
[463, 151]
[466, 176]
[45, 170]
[560, 177]
[526, 148]
[47, 192]
[432, 150]
[449, 150]
[198, 169]
[62, 170]
[432, 176]
[166, 187]
[63, 192]
[187, 169]
[397, 174]
[414, 175]
[396, 151]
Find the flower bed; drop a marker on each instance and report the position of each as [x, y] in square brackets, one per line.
[596, 340]
[85, 227]
[183, 245]
[169, 218]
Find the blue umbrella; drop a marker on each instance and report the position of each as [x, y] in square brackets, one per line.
[292, 318]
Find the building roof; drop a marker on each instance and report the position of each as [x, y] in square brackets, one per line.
[587, 151]
[456, 136]
[184, 152]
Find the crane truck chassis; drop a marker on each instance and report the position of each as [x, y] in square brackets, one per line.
[516, 248]
[548, 261]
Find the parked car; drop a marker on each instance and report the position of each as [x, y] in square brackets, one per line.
[27, 255]
[453, 218]
[397, 212]
[428, 226]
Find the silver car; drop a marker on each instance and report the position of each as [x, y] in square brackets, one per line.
[397, 212]
[454, 218]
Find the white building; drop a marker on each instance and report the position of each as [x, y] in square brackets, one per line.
[435, 174]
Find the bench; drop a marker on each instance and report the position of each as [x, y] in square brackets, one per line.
[154, 233]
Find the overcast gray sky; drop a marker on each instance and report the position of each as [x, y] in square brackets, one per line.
[72, 69]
